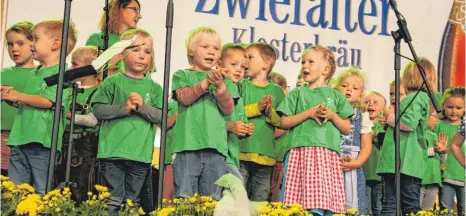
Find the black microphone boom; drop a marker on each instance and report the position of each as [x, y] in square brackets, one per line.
[71, 75]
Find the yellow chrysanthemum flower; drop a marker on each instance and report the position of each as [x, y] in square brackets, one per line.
[100, 188]
[192, 200]
[264, 209]
[129, 202]
[57, 210]
[141, 211]
[26, 187]
[3, 178]
[8, 185]
[352, 211]
[7, 196]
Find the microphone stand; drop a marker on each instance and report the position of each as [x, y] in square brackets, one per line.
[58, 102]
[403, 33]
[166, 82]
[106, 36]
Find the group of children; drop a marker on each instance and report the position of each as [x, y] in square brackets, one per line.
[325, 144]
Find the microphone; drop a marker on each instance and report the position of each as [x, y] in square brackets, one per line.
[71, 75]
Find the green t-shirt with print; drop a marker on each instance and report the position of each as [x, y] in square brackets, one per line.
[15, 77]
[453, 169]
[131, 137]
[309, 133]
[413, 146]
[432, 172]
[234, 141]
[34, 124]
[262, 140]
[172, 109]
[200, 125]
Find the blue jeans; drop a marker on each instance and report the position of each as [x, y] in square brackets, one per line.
[257, 179]
[447, 197]
[374, 197]
[410, 194]
[29, 164]
[124, 179]
[197, 172]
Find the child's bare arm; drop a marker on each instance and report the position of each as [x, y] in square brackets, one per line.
[30, 100]
[366, 149]
[456, 143]
[279, 132]
[171, 120]
[187, 95]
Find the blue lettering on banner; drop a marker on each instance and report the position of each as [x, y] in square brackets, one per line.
[315, 15]
[291, 50]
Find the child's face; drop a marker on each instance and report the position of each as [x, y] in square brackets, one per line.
[374, 105]
[313, 66]
[19, 48]
[236, 63]
[352, 88]
[43, 44]
[138, 59]
[256, 64]
[130, 15]
[206, 52]
[453, 108]
[392, 94]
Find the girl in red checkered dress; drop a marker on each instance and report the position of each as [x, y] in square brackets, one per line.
[317, 115]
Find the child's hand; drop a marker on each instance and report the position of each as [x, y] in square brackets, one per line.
[217, 77]
[9, 94]
[263, 102]
[388, 111]
[313, 113]
[383, 121]
[268, 106]
[441, 143]
[348, 163]
[136, 99]
[250, 129]
[326, 114]
[239, 128]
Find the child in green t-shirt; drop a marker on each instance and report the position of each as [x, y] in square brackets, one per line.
[19, 42]
[30, 137]
[85, 128]
[374, 104]
[447, 128]
[261, 98]
[233, 58]
[413, 147]
[129, 106]
[200, 145]
[168, 186]
[317, 115]
[282, 138]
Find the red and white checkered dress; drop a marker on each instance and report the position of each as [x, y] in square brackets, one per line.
[314, 179]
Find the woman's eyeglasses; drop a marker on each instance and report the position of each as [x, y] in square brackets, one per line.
[135, 9]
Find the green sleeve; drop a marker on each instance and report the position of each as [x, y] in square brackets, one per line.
[94, 40]
[157, 96]
[344, 108]
[179, 80]
[414, 112]
[105, 93]
[288, 105]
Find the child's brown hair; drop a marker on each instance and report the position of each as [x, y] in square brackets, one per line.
[85, 55]
[228, 48]
[192, 35]
[24, 28]
[356, 72]
[54, 29]
[412, 79]
[142, 33]
[278, 79]
[266, 51]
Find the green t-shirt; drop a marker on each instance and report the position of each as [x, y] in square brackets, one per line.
[97, 39]
[370, 166]
[413, 147]
[200, 125]
[16, 78]
[262, 140]
[234, 141]
[131, 137]
[33, 124]
[172, 109]
[453, 169]
[281, 145]
[432, 173]
[310, 133]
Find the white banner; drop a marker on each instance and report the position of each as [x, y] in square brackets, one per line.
[357, 30]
